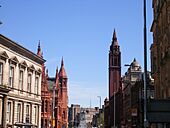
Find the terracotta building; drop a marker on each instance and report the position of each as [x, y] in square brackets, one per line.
[61, 101]
[46, 97]
[115, 103]
[160, 49]
[54, 112]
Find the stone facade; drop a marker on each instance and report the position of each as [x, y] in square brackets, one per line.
[160, 49]
[133, 74]
[20, 74]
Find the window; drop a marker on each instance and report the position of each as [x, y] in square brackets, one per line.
[18, 112]
[8, 118]
[21, 76]
[29, 83]
[11, 76]
[27, 111]
[46, 106]
[35, 114]
[36, 85]
[1, 73]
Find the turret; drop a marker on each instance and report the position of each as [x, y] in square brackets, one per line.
[39, 50]
[62, 72]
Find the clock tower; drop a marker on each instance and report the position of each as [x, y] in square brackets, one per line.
[114, 66]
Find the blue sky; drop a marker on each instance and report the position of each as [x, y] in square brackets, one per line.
[80, 31]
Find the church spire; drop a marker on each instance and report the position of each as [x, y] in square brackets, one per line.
[114, 35]
[62, 72]
[114, 39]
[62, 62]
[39, 50]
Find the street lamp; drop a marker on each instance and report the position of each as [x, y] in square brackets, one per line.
[145, 66]
[100, 100]
[0, 21]
[114, 125]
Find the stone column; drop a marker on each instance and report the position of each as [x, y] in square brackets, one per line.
[38, 117]
[4, 110]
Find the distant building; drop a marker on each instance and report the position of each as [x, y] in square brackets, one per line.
[81, 117]
[20, 85]
[72, 116]
[133, 74]
[86, 117]
[98, 118]
[106, 114]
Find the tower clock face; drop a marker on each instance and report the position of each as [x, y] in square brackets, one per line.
[115, 51]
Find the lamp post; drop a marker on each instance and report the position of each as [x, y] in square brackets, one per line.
[0, 21]
[100, 100]
[145, 67]
[114, 125]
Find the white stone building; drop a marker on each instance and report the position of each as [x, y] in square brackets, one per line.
[20, 85]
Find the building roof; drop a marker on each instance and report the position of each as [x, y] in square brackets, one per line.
[135, 63]
[20, 49]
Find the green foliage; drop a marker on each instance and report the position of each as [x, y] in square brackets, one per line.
[100, 120]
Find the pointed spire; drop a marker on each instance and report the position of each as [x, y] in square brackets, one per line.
[56, 72]
[57, 69]
[39, 50]
[46, 72]
[56, 79]
[134, 60]
[114, 39]
[62, 62]
[114, 35]
[62, 72]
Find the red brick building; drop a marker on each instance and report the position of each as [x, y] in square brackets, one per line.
[54, 110]
[114, 107]
[61, 101]
[46, 97]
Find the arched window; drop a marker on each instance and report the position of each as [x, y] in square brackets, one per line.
[64, 115]
[46, 106]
